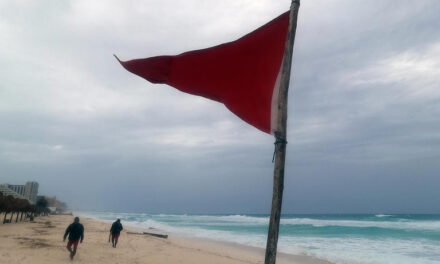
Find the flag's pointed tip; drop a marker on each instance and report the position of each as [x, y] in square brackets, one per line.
[117, 58]
[121, 62]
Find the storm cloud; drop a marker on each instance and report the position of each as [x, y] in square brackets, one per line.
[364, 108]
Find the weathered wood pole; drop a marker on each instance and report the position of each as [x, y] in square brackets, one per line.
[280, 143]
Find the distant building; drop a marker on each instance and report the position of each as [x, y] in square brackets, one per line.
[31, 191]
[28, 191]
[17, 188]
[5, 190]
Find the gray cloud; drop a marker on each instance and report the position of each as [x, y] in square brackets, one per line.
[363, 108]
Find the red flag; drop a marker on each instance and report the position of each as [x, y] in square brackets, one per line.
[243, 74]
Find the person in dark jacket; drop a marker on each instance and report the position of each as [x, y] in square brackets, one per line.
[115, 231]
[76, 235]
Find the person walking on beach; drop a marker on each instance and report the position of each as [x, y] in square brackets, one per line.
[115, 231]
[76, 235]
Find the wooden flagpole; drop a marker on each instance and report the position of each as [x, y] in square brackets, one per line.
[280, 137]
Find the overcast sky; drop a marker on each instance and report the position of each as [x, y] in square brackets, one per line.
[364, 108]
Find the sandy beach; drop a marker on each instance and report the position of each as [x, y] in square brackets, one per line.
[41, 242]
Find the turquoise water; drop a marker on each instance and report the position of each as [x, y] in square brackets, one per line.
[341, 239]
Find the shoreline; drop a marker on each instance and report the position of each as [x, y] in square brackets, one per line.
[232, 247]
[240, 248]
[41, 242]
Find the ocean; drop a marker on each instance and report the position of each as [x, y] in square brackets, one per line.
[341, 239]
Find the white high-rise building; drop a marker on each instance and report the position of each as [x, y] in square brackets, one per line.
[5, 190]
[17, 188]
[28, 191]
[31, 191]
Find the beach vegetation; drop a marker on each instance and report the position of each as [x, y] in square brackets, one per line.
[10, 207]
